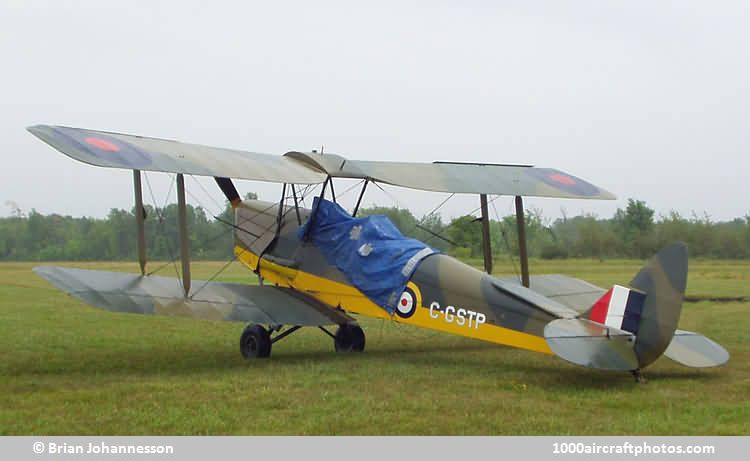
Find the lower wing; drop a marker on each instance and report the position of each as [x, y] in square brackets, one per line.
[154, 295]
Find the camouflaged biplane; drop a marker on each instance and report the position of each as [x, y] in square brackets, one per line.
[317, 266]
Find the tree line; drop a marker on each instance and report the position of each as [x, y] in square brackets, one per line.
[633, 232]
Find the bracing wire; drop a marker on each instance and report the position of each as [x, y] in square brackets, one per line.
[439, 234]
[434, 210]
[210, 279]
[160, 216]
[391, 196]
[418, 225]
[351, 188]
[505, 239]
[218, 205]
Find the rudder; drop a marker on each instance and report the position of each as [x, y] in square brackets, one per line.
[664, 280]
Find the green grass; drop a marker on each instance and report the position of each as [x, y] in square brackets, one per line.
[66, 368]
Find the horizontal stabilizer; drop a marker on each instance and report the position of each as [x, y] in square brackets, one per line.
[695, 350]
[590, 344]
[574, 293]
[154, 295]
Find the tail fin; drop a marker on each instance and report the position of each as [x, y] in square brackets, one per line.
[651, 307]
[635, 325]
[664, 280]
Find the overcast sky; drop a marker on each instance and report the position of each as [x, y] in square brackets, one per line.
[649, 99]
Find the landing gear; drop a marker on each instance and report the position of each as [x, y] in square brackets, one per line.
[349, 338]
[255, 342]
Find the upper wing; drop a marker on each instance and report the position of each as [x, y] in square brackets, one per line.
[131, 293]
[117, 150]
[471, 178]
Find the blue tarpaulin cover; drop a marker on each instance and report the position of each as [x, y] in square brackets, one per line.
[371, 251]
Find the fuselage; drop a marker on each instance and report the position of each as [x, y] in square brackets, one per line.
[443, 294]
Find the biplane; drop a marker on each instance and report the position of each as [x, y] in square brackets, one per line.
[320, 265]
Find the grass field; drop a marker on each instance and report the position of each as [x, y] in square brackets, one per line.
[66, 368]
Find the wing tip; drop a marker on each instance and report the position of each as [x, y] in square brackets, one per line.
[34, 129]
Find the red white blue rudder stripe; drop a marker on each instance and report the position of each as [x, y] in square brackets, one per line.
[620, 307]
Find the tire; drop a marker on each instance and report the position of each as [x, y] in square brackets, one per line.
[349, 338]
[255, 342]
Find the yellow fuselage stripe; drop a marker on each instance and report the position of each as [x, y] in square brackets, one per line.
[351, 299]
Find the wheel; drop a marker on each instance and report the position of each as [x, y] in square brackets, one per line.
[349, 338]
[255, 342]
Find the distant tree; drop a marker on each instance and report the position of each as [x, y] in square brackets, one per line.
[466, 232]
[538, 233]
[15, 210]
[672, 228]
[595, 238]
[635, 227]
[729, 241]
